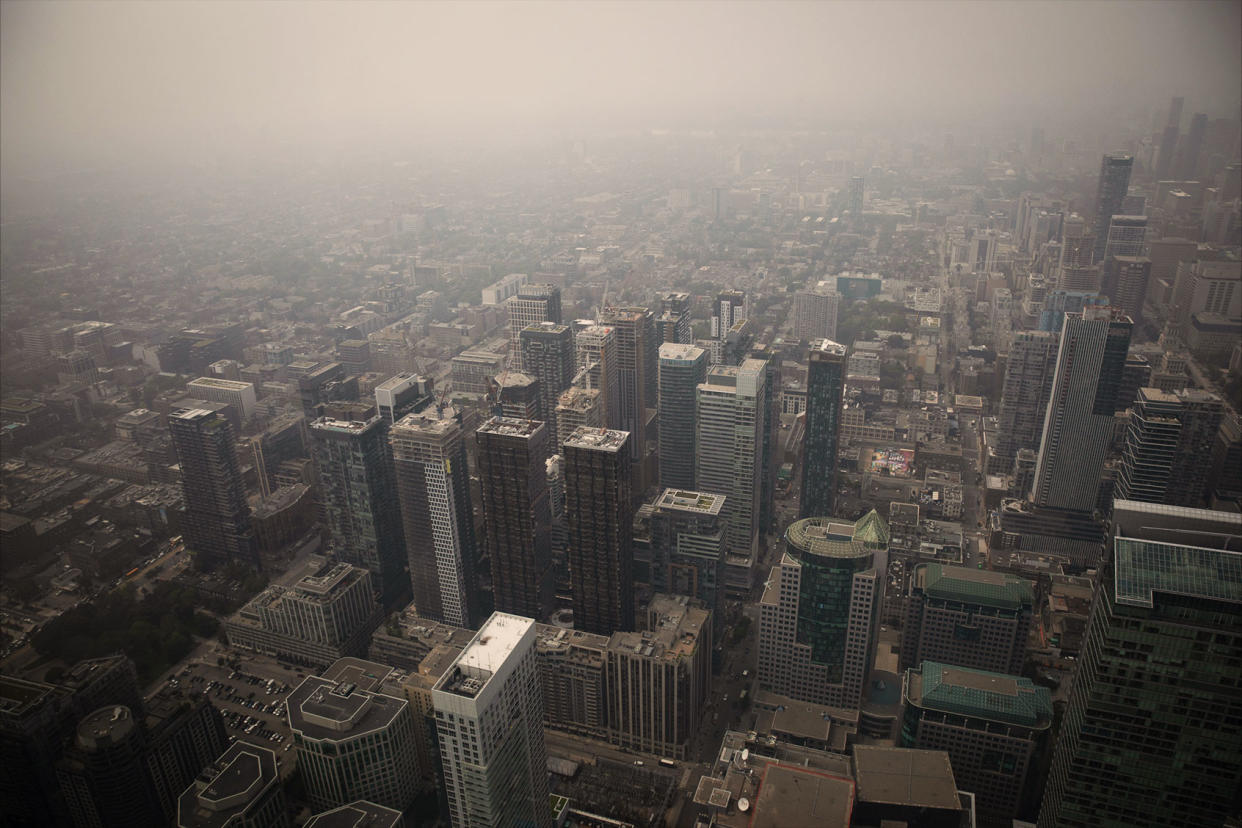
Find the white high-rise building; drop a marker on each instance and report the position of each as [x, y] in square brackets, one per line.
[489, 719]
[532, 305]
[730, 422]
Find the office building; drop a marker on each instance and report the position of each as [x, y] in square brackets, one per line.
[489, 720]
[599, 368]
[770, 449]
[358, 493]
[992, 726]
[1125, 284]
[599, 517]
[731, 308]
[578, 408]
[1169, 438]
[103, 774]
[674, 323]
[402, 394]
[820, 612]
[1127, 236]
[855, 196]
[433, 485]
[241, 789]
[1079, 422]
[1111, 189]
[573, 679]
[548, 355]
[497, 292]
[1076, 270]
[682, 369]
[533, 305]
[1190, 149]
[517, 514]
[240, 395]
[966, 617]
[517, 396]
[660, 678]
[360, 814]
[688, 546]
[731, 422]
[216, 523]
[183, 737]
[318, 620]
[1152, 734]
[1024, 397]
[353, 740]
[825, 390]
[1168, 140]
[473, 370]
[637, 350]
[815, 313]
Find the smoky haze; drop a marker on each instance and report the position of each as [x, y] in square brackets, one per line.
[95, 82]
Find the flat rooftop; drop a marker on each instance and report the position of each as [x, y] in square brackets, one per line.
[901, 776]
[226, 787]
[324, 709]
[483, 656]
[702, 503]
[510, 426]
[344, 426]
[680, 352]
[216, 382]
[602, 439]
[360, 814]
[800, 796]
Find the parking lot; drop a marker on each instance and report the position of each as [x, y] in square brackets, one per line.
[250, 696]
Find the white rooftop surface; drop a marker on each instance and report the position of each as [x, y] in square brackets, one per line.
[495, 640]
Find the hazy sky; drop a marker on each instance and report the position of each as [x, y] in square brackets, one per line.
[83, 79]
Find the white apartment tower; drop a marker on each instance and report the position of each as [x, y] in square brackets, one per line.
[489, 719]
[731, 422]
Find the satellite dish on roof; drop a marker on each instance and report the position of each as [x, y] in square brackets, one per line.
[745, 754]
[743, 804]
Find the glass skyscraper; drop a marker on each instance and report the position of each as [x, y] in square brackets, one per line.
[825, 386]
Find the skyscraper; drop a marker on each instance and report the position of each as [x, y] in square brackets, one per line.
[687, 546]
[516, 514]
[489, 720]
[1076, 271]
[1125, 284]
[815, 313]
[578, 408]
[1168, 441]
[856, 194]
[1079, 422]
[433, 484]
[548, 355]
[241, 788]
[673, 324]
[1168, 140]
[533, 305]
[992, 725]
[731, 420]
[636, 373]
[825, 389]
[1152, 735]
[600, 520]
[1127, 236]
[216, 524]
[353, 740]
[1024, 398]
[682, 369]
[599, 367]
[731, 308]
[103, 777]
[819, 615]
[358, 491]
[1188, 168]
[967, 617]
[1111, 189]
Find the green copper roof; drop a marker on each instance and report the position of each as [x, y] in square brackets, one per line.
[974, 586]
[1146, 567]
[871, 529]
[995, 697]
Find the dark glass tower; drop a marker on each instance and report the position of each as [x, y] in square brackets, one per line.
[516, 514]
[217, 517]
[1152, 734]
[600, 518]
[682, 368]
[548, 354]
[825, 386]
[358, 490]
[1110, 191]
[1168, 440]
[636, 352]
